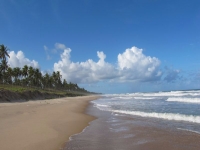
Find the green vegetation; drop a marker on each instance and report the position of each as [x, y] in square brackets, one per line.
[31, 79]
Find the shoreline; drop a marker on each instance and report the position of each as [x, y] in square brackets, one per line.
[43, 124]
[131, 132]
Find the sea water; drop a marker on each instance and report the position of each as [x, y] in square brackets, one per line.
[142, 121]
[179, 107]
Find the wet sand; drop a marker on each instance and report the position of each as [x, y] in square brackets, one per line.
[42, 124]
[121, 132]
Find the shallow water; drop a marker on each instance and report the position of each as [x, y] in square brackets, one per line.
[181, 107]
[118, 129]
[116, 132]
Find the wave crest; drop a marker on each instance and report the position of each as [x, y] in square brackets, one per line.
[166, 116]
[184, 100]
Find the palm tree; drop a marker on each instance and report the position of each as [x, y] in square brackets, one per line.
[58, 79]
[4, 63]
[54, 79]
[4, 52]
[37, 77]
[25, 71]
[46, 81]
[31, 75]
[70, 86]
[17, 75]
[9, 75]
[65, 84]
[3, 68]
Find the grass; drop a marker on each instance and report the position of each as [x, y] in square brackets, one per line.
[12, 88]
[21, 89]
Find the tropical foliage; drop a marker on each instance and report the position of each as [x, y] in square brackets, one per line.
[32, 77]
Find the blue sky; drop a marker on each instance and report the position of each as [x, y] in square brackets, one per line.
[107, 46]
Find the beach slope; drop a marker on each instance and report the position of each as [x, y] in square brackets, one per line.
[42, 124]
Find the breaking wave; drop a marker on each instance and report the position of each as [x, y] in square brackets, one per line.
[166, 116]
[157, 94]
[183, 100]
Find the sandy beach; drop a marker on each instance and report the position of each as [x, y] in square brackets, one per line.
[42, 124]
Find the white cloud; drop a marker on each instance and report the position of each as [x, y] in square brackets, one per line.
[83, 72]
[19, 60]
[133, 65]
[60, 46]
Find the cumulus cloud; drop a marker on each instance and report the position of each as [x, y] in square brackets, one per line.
[19, 60]
[132, 65]
[83, 72]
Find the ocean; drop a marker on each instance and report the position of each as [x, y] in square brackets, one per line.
[142, 121]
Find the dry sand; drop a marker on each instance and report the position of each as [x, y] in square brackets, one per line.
[42, 124]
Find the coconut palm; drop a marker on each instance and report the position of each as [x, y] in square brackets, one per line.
[65, 84]
[25, 71]
[31, 75]
[46, 81]
[9, 75]
[58, 79]
[3, 52]
[37, 77]
[3, 68]
[17, 74]
[54, 79]
[4, 63]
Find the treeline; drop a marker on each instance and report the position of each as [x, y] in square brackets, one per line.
[32, 77]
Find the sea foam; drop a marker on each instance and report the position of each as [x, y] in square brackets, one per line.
[166, 116]
[189, 130]
[184, 100]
